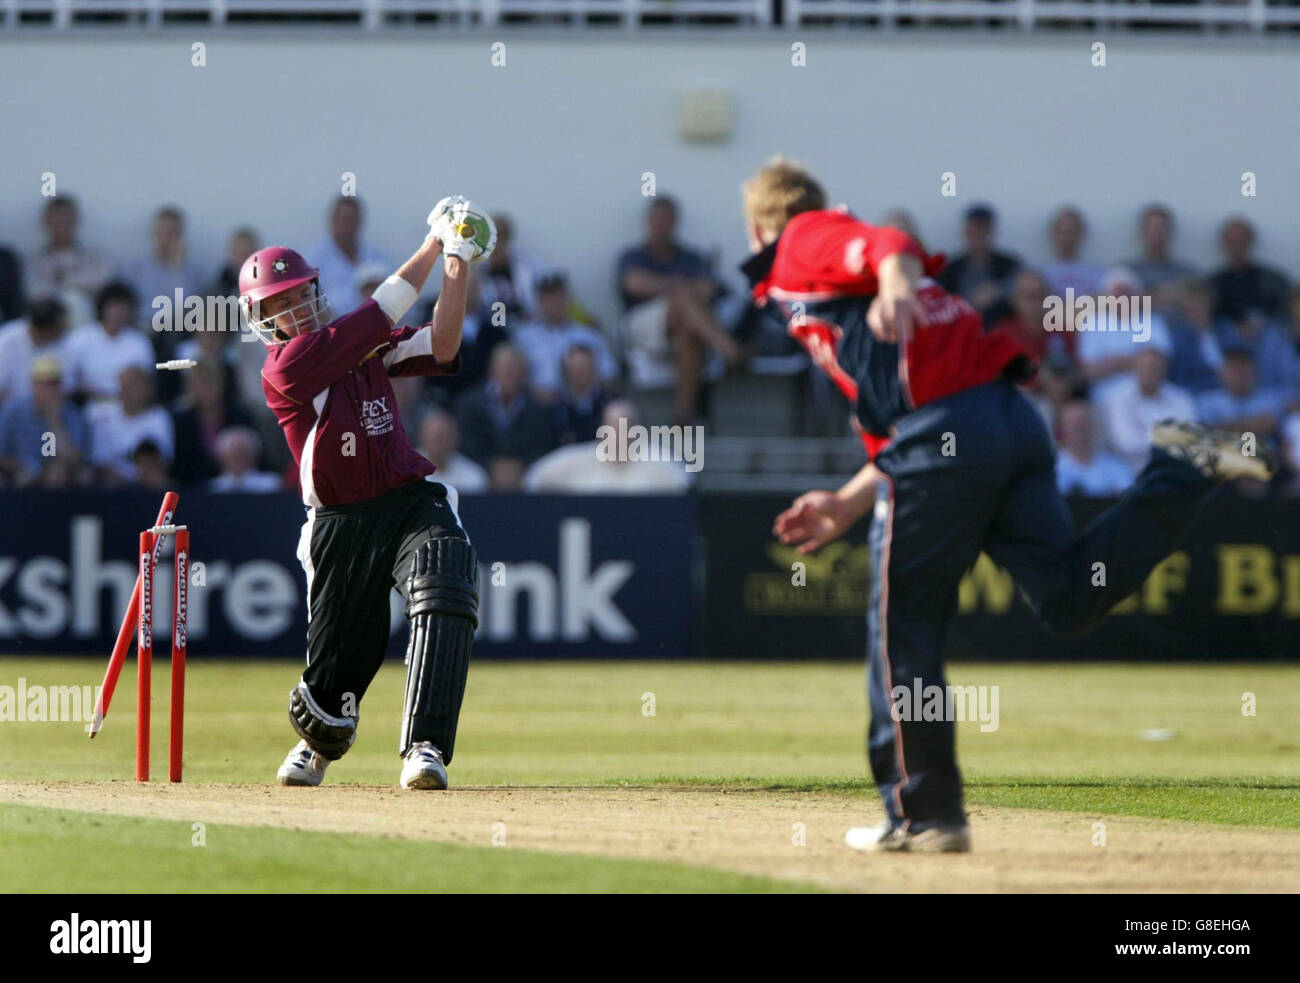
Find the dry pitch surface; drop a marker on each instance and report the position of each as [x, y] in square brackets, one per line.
[738, 765]
[746, 831]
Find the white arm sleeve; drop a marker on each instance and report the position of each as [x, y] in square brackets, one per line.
[395, 297]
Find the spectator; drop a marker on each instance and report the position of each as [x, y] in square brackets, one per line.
[577, 414]
[1244, 288]
[98, 352]
[481, 333]
[546, 340]
[149, 469]
[1068, 271]
[901, 219]
[1024, 320]
[1291, 454]
[1060, 382]
[501, 427]
[237, 451]
[64, 263]
[166, 269]
[42, 333]
[341, 253]
[1140, 399]
[1107, 350]
[213, 345]
[368, 278]
[439, 441]
[1196, 358]
[981, 274]
[1275, 356]
[1081, 467]
[118, 427]
[668, 296]
[509, 277]
[243, 243]
[580, 469]
[1241, 404]
[41, 427]
[12, 304]
[200, 419]
[1155, 267]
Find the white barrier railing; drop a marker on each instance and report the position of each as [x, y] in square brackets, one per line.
[1258, 15]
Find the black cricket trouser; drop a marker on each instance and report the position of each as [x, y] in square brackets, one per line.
[353, 556]
[994, 492]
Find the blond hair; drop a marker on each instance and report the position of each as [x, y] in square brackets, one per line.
[778, 192]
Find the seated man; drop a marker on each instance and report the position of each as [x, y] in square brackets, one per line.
[668, 296]
[237, 452]
[439, 441]
[1141, 399]
[65, 265]
[42, 333]
[546, 340]
[1082, 468]
[40, 428]
[1243, 287]
[120, 426]
[502, 428]
[1241, 403]
[100, 350]
[583, 469]
[577, 414]
[981, 274]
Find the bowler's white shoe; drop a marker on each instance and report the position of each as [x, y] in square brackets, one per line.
[1218, 454]
[303, 766]
[895, 839]
[423, 768]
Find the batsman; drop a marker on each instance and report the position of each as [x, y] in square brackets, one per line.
[377, 515]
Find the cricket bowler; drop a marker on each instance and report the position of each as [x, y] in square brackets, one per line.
[376, 514]
[959, 463]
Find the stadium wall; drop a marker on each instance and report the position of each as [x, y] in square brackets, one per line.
[561, 135]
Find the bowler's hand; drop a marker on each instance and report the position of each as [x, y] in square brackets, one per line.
[815, 519]
[895, 314]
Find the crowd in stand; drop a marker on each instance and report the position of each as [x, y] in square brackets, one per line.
[81, 402]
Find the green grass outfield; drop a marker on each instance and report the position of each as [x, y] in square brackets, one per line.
[1072, 737]
[61, 851]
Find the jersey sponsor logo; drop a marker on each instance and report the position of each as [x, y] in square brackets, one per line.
[376, 417]
[942, 307]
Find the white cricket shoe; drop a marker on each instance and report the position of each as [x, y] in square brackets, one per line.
[895, 839]
[423, 768]
[1217, 454]
[303, 766]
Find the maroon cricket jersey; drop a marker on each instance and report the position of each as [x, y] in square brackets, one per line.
[330, 392]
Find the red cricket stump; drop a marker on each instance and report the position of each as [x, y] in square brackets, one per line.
[180, 643]
[129, 628]
[144, 658]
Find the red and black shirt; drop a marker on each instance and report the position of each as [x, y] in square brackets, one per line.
[819, 277]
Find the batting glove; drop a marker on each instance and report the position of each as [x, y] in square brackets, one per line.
[438, 218]
[467, 232]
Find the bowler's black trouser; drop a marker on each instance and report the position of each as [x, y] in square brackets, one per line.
[975, 472]
[353, 556]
